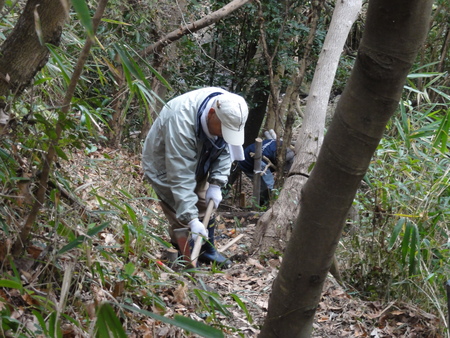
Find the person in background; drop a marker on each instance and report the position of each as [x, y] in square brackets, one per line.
[269, 153]
[187, 158]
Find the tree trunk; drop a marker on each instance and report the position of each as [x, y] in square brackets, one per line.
[395, 31]
[286, 209]
[22, 55]
[256, 113]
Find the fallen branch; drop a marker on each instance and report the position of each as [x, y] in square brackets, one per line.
[230, 243]
[243, 214]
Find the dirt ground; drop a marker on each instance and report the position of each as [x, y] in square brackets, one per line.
[339, 314]
[250, 279]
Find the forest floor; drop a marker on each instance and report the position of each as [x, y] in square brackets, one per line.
[241, 293]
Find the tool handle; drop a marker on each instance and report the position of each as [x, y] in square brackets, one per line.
[198, 242]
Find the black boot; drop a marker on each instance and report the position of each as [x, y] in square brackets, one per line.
[208, 252]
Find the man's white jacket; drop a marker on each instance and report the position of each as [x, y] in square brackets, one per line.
[172, 152]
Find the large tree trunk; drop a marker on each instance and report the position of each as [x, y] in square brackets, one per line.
[22, 55]
[286, 209]
[395, 31]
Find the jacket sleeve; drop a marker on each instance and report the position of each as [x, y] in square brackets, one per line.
[220, 169]
[181, 162]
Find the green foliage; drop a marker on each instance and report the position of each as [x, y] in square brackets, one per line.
[242, 306]
[110, 233]
[183, 322]
[403, 232]
[80, 239]
[85, 18]
[108, 324]
[210, 304]
[68, 232]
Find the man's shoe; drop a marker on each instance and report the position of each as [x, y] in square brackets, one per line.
[208, 252]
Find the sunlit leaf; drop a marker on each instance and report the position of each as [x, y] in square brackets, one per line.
[85, 17]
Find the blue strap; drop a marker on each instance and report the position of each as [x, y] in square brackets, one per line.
[211, 150]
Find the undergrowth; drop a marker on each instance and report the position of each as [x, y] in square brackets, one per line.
[96, 267]
[398, 247]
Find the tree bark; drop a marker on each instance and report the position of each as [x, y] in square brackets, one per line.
[22, 55]
[395, 31]
[285, 208]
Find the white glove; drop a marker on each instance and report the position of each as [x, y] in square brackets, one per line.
[197, 228]
[214, 193]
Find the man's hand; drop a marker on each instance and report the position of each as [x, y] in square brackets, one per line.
[197, 228]
[214, 193]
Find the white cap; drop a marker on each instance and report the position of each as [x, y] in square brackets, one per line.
[232, 111]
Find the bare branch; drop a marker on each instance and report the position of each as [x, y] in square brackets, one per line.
[193, 27]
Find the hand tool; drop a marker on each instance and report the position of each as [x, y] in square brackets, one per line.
[198, 242]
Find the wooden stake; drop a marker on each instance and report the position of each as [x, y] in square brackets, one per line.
[230, 243]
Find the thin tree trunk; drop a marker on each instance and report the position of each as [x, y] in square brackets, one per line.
[395, 31]
[285, 208]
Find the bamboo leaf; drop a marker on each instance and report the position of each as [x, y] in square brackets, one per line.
[444, 95]
[96, 230]
[66, 73]
[54, 327]
[110, 202]
[132, 214]
[126, 238]
[82, 10]
[82, 238]
[131, 65]
[395, 232]
[442, 133]
[61, 153]
[116, 22]
[41, 321]
[7, 283]
[108, 324]
[129, 268]
[243, 307]
[414, 243]
[421, 75]
[181, 322]
[405, 243]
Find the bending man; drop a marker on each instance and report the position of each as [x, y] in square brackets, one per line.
[187, 157]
